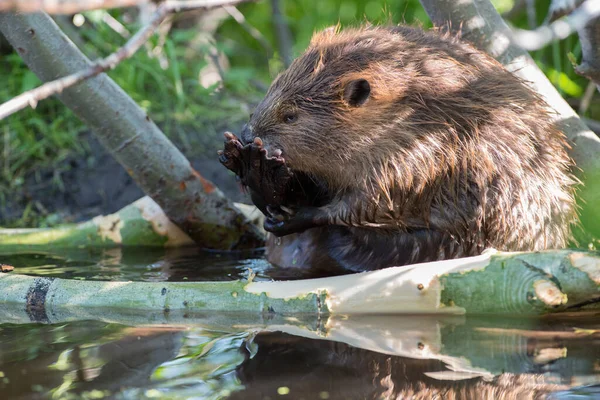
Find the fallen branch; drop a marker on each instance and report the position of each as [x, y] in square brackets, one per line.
[65, 6]
[504, 283]
[479, 22]
[557, 30]
[126, 131]
[32, 97]
[141, 223]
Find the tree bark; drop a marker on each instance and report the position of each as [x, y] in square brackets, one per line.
[478, 22]
[156, 165]
[537, 283]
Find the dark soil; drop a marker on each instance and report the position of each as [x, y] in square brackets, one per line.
[93, 184]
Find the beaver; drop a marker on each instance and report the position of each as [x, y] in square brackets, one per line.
[413, 146]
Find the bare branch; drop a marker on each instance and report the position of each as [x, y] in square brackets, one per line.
[76, 6]
[65, 6]
[586, 99]
[560, 8]
[115, 25]
[32, 97]
[557, 30]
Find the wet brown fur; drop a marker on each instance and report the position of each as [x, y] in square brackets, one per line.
[448, 142]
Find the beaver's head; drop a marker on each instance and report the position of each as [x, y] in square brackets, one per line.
[360, 96]
[328, 107]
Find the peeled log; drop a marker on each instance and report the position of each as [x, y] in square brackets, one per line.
[537, 283]
[142, 223]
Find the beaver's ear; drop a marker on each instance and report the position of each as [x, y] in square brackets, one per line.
[357, 92]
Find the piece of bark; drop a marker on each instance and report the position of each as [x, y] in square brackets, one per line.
[6, 268]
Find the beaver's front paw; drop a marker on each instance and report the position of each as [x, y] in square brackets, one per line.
[267, 177]
[283, 221]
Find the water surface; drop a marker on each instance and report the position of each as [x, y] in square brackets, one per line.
[133, 355]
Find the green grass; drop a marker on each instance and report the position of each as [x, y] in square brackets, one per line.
[32, 138]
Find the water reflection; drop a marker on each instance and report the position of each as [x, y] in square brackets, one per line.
[104, 353]
[274, 356]
[148, 264]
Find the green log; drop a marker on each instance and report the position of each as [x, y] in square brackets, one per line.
[537, 283]
[142, 223]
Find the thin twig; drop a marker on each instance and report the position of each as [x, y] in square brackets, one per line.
[65, 6]
[560, 29]
[6, 151]
[115, 25]
[32, 97]
[586, 100]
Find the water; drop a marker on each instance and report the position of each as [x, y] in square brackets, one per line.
[129, 355]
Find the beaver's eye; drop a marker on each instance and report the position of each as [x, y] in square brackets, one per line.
[290, 117]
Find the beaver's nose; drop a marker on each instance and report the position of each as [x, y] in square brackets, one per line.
[247, 136]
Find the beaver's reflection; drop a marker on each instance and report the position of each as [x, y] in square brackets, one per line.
[313, 369]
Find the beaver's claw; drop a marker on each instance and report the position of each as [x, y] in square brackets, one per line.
[283, 221]
[231, 155]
